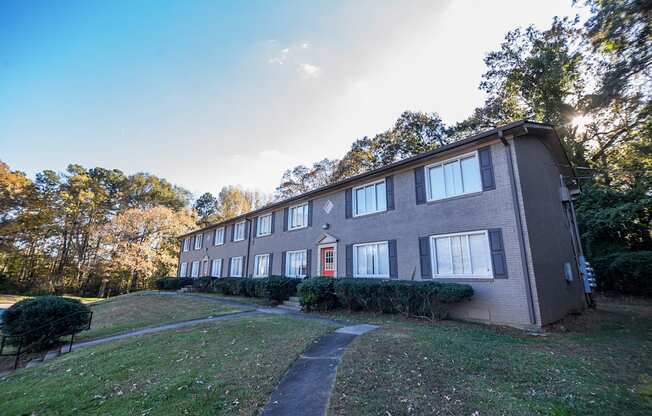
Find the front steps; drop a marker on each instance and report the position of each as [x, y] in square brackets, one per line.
[293, 303]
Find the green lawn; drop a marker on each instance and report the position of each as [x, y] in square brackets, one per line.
[141, 309]
[597, 364]
[225, 368]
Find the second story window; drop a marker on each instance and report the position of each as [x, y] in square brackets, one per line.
[239, 231]
[199, 238]
[370, 198]
[219, 236]
[298, 217]
[186, 244]
[453, 177]
[264, 225]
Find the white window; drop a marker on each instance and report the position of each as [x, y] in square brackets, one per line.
[296, 263]
[371, 260]
[264, 225]
[261, 265]
[239, 231]
[194, 271]
[298, 217]
[219, 236]
[454, 177]
[216, 268]
[183, 270]
[236, 267]
[461, 255]
[198, 240]
[369, 198]
[186, 244]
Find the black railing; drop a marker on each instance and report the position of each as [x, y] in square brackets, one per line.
[17, 345]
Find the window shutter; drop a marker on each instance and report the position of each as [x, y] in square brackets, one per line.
[285, 218]
[192, 243]
[308, 262]
[309, 213]
[389, 188]
[424, 255]
[273, 221]
[270, 266]
[393, 265]
[254, 223]
[349, 260]
[243, 268]
[348, 203]
[232, 235]
[486, 169]
[246, 229]
[497, 253]
[420, 184]
[283, 256]
[228, 270]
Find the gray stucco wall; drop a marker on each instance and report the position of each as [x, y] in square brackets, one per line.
[548, 231]
[496, 300]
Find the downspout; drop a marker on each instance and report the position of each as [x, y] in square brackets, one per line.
[519, 226]
[249, 232]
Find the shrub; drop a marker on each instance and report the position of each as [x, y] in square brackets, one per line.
[317, 293]
[43, 320]
[274, 289]
[627, 273]
[202, 284]
[173, 283]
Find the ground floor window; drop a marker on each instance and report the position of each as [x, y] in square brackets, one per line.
[371, 259]
[296, 263]
[216, 268]
[194, 271]
[261, 265]
[236, 267]
[183, 269]
[461, 255]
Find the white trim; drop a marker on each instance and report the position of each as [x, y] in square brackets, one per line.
[258, 234]
[327, 245]
[235, 229]
[355, 260]
[194, 272]
[256, 257]
[441, 163]
[305, 225]
[219, 274]
[183, 269]
[241, 266]
[186, 245]
[355, 199]
[287, 263]
[223, 229]
[201, 241]
[433, 256]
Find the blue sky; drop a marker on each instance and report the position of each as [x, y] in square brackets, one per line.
[210, 93]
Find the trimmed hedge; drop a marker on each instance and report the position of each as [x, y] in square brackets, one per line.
[275, 289]
[43, 320]
[422, 299]
[173, 283]
[628, 273]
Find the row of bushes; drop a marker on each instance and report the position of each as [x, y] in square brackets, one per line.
[422, 299]
[275, 289]
[627, 273]
[173, 283]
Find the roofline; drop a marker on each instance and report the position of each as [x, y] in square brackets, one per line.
[477, 137]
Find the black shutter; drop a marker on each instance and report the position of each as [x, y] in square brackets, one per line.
[246, 229]
[349, 260]
[420, 184]
[285, 218]
[232, 233]
[273, 221]
[348, 203]
[393, 265]
[389, 188]
[192, 243]
[254, 221]
[497, 253]
[243, 269]
[270, 269]
[309, 213]
[222, 268]
[283, 256]
[228, 270]
[486, 169]
[308, 262]
[424, 255]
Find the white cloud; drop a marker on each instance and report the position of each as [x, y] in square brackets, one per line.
[310, 71]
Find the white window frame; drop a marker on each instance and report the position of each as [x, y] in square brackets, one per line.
[256, 259]
[231, 274]
[354, 197]
[290, 216]
[258, 233]
[355, 260]
[235, 230]
[186, 244]
[183, 269]
[221, 241]
[433, 256]
[444, 162]
[194, 269]
[219, 273]
[199, 241]
[288, 265]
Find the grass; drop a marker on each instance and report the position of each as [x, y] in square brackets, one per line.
[599, 363]
[225, 368]
[8, 300]
[141, 309]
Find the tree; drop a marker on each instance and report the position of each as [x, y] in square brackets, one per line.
[302, 179]
[235, 200]
[205, 206]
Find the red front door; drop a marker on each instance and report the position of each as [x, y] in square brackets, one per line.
[328, 261]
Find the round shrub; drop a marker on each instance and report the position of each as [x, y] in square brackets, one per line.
[317, 293]
[43, 320]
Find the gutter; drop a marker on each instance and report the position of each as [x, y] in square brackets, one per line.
[519, 226]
